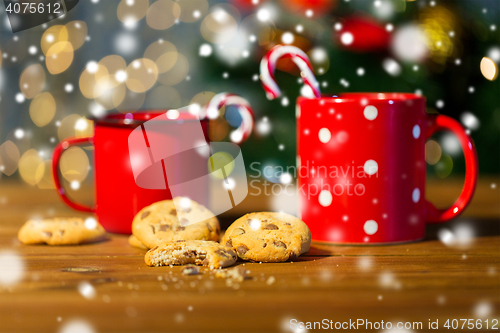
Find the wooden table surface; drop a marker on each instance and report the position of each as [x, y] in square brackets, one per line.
[401, 283]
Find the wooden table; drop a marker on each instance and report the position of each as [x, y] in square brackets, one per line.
[402, 283]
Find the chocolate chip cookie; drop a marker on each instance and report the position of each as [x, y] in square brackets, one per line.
[162, 222]
[61, 231]
[268, 237]
[202, 253]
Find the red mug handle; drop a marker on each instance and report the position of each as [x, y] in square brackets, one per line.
[58, 151]
[441, 122]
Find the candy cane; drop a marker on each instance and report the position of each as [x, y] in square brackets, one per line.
[226, 99]
[268, 66]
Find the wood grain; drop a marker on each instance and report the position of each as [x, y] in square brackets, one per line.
[408, 282]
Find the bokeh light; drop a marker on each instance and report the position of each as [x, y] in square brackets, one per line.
[432, 152]
[131, 11]
[115, 65]
[77, 33]
[11, 268]
[132, 101]
[163, 53]
[262, 32]
[84, 128]
[67, 127]
[202, 98]
[219, 26]
[409, 43]
[141, 75]
[436, 23]
[53, 35]
[10, 155]
[93, 79]
[221, 161]
[28, 165]
[163, 14]
[32, 81]
[177, 74]
[42, 109]
[444, 167]
[192, 10]
[489, 69]
[319, 59]
[59, 57]
[111, 97]
[74, 164]
[163, 97]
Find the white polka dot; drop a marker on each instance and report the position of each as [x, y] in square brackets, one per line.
[416, 131]
[325, 198]
[324, 135]
[370, 112]
[415, 196]
[370, 227]
[371, 167]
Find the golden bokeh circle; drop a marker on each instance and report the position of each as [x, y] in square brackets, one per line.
[489, 68]
[74, 164]
[111, 97]
[163, 14]
[141, 75]
[28, 165]
[113, 64]
[32, 81]
[10, 155]
[177, 74]
[59, 57]
[84, 128]
[42, 109]
[433, 152]
[92, 83]
[132, 11]
[53, 35]
[77, 33]
[202, 98]
[163, 53]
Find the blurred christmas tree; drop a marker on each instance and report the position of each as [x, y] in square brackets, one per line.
[448, 51]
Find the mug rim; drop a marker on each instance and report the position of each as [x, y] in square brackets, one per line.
[119, 119]
[369, 96]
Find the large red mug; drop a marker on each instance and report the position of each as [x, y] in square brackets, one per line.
[362, 167]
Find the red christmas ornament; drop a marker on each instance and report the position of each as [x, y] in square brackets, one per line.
[362, 34]
[309, 8]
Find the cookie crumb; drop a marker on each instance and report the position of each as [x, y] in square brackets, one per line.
[237, 274]
[191, 270]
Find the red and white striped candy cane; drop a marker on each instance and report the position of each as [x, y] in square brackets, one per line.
[268, 66]
[226, 99]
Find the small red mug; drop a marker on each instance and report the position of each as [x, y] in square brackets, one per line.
[118, 197]
[362, 169]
